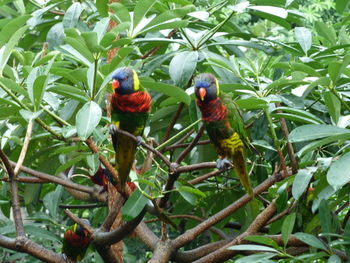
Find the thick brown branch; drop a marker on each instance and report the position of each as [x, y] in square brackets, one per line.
[196, 218]
[22, 244]
[162, 252]
[191, 234]
[194, 254]
[109, 238]
[223, 253]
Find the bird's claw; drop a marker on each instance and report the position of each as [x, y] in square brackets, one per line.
[112, 129]
[139, 140]
[222, 164]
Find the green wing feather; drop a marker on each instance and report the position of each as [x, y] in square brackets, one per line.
[238, 154]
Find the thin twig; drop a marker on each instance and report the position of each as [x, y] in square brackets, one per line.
[86, 206]
[24, 148]
[290, 149]
[173, 122]
[182, 145]
[54, 179]
[184, 153]
[79, 221]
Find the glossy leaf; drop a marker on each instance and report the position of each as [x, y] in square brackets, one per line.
[311, 132]
[252, 248]
[87, 119]
[304, 37]
[301, 181]
[310, 240]
[167, 89]
[134, 205]
[339, 172]
[5, 51]
[182, 67]
[71, 17]
[287, 227]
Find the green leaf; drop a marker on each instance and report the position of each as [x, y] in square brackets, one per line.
[324, 213]
[340, 6]
[339, 173]
[326, 32]
[87, 119]
[81, 48]
[5, 50]
[91, 40]
[51, 200]
[121, 13]
[252, 248]
[333, 105]
[69, 163]
[311, 132]
[334, 259]
[134, 205]
[55, 36]
[36, 84]
[287, 227]
[304, 37]
[301, 181]
[71, 17]
[167, 89]
[102, 7]
[141, 9]
[165, 25]
[11, 27]
[262, 240]
[252, 103]
[334, 70]
[310, 240]
[182, 67]
[276, 11]
[70, 92]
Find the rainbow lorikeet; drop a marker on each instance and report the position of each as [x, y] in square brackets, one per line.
[130, 106]
[102, 177]
[76, 241]
[224, 125]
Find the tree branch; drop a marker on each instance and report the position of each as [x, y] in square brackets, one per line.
[223, 253]
[17, 216]
[184, 153]
[191, 234]
[22, 155]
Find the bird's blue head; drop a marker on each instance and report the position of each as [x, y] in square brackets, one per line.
[206, 87]
[79, 230]
[125, 81]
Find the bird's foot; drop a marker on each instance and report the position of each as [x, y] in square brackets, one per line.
[112, 129]
[222, 164]
[139, 140]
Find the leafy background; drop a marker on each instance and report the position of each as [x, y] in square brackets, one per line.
[278, 59]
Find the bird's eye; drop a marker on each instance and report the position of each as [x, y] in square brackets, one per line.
[126, 78]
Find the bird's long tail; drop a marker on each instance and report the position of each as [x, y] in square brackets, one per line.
[125, 155]
[239, 162]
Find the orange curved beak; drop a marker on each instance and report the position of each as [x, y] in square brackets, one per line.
[115, 84]
[202, 92]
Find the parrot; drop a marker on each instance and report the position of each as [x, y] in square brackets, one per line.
[224, 126]
[102, 177]
[76, 241]
[130, 107]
